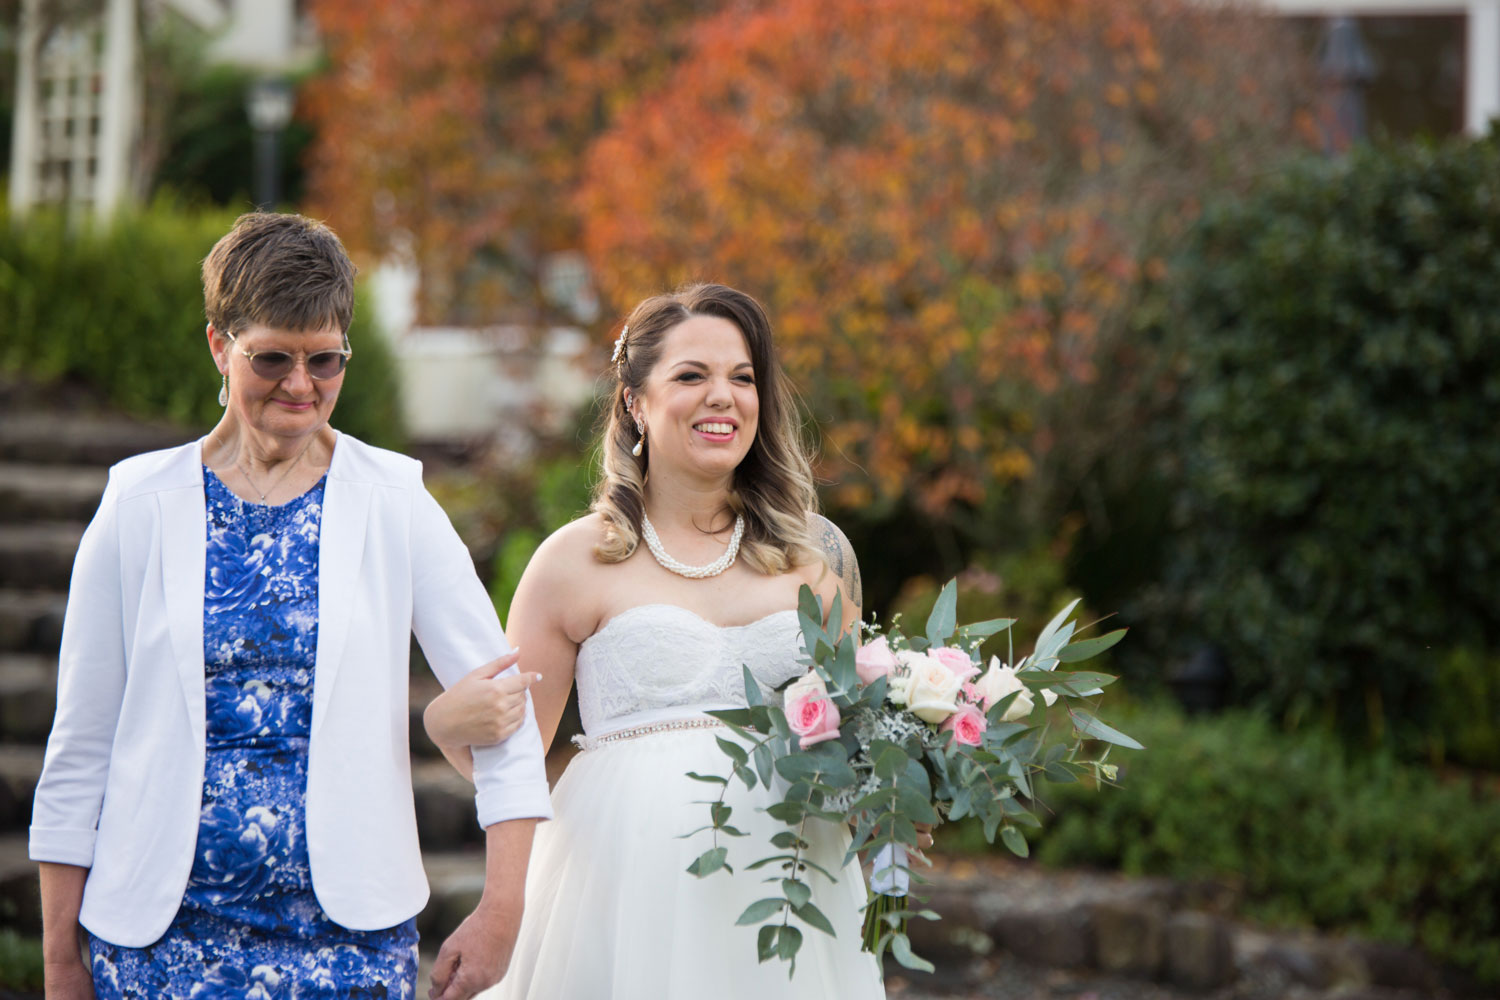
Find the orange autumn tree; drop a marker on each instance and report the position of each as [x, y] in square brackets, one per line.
[948, 206]
[453, 131]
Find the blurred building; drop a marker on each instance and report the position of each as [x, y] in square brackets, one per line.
[1434, 64]
[77, 128]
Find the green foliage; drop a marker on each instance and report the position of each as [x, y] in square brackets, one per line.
[1308, 832]
[1341, 466]
[120, 308]
[20, 961]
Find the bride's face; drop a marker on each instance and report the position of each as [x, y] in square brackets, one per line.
[700, 404]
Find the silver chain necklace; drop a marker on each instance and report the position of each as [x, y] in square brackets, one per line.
[279, 479]
[719, 565]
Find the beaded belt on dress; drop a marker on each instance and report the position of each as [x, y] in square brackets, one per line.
[635, 732]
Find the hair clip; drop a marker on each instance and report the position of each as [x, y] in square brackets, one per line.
[620, 345]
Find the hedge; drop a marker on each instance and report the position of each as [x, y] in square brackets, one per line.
[1309, 833]
[1338, 439]
[120, 308]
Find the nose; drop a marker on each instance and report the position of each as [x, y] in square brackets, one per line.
[297, 382]
[719, 394]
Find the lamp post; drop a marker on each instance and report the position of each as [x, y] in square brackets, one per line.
[1345, 69]
[269, 104]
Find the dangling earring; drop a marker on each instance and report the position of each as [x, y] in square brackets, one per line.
[641, 430]
[224, 390]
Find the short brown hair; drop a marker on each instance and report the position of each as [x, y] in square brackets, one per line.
[279, 270]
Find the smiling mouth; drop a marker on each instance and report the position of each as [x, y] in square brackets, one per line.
[715, 428]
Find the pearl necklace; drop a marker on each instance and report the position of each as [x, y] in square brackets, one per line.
[719, 565]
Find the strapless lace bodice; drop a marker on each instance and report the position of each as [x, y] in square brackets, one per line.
[658, 661]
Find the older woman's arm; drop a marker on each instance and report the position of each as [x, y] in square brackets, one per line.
[90, 686]
[456, 625]
[65, 975]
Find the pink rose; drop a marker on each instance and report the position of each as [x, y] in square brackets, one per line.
[874, 659]
[814, 718]
[955, 660]
[967, 726]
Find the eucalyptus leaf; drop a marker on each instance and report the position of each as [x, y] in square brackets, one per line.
[752, 688]
[1090, 726]
[901, 951]
[1013, 840]
[797, 893]
[765, 942]
[712, 779]
[1083, 649]
[943, 619]
[764, 764]
[733, 750]
[985, 629]
[709, 862]
[788, 944]
[760, 910]
[813, 917]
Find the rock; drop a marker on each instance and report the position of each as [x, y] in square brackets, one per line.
[1198, 951]
[1128, 936]
[1062, 938]
[1396, 966]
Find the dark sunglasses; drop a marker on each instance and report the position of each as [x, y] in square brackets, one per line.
[273, 366]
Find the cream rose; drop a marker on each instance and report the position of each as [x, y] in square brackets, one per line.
[1000, 680]
[933, 694]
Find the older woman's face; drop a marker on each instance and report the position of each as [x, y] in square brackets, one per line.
[700, 403]
[295, 404]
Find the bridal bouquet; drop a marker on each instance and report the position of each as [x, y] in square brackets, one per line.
[897, 732]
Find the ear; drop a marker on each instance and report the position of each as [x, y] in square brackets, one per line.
[218, 346]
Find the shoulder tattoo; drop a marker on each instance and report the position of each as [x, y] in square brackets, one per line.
[840, 556]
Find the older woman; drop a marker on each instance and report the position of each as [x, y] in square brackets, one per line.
[702, 462]
[226, 803]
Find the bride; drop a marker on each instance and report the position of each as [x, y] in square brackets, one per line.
[701, 461]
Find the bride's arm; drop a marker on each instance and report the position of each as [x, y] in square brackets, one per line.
[845, 577]
[478, 710]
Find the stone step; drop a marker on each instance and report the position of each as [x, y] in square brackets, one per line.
[38, 556]
[445, 807]
[28, 696]
[31, 620]
[49, 438]
[20, 898]
[50, 492]
[20, 767]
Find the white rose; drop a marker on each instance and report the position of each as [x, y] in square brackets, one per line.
[933, 695]
[1000, 680]
[898, 681]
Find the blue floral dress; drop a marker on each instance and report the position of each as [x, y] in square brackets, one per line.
[249, 926]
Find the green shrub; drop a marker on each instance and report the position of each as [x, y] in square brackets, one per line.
[1310, 834]
[1341, 463]
[120, 308]
[20, 961]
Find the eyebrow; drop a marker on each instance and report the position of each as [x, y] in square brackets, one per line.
[704, 367]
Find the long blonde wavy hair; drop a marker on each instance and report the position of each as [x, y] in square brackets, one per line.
[773, 485]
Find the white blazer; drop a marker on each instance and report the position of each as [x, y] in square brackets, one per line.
[122, 782]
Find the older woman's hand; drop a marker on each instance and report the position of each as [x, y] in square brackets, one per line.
[482, 708]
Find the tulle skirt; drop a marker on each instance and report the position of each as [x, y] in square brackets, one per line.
[612, 914]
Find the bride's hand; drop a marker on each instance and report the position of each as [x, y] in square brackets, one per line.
[482, 708]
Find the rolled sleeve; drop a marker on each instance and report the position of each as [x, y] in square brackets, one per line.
[458, 630]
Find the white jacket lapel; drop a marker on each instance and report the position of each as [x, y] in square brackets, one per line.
[184, 532]
[341, 547]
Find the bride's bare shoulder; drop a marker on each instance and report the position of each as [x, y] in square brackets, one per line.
[567, 554]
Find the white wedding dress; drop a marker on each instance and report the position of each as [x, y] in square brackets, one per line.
[611, 912]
